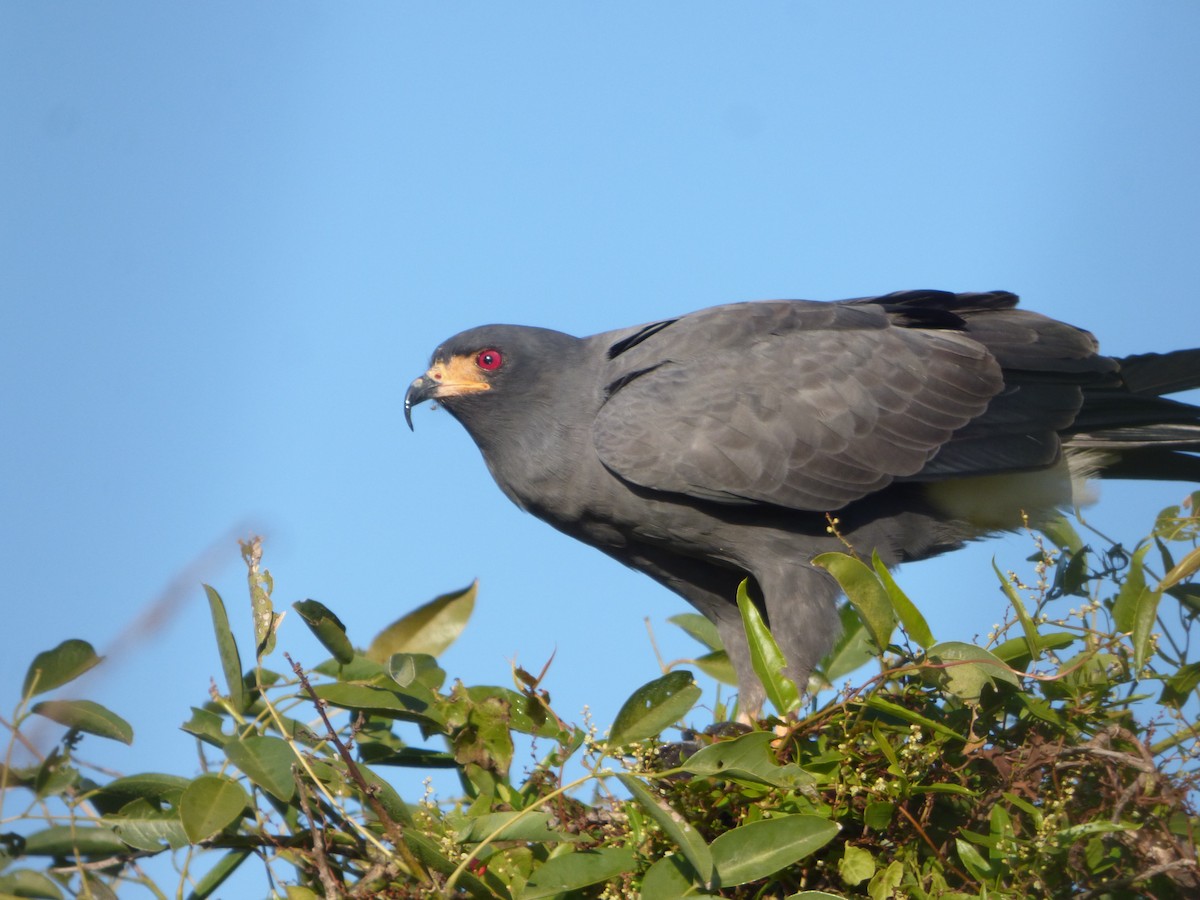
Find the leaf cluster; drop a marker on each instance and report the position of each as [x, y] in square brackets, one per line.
[1058, 759]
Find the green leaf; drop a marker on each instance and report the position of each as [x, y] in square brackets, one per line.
[700, 628]
[28, 883]
[878, 814]
[675, 827]
[1016, 653]
[216, 876]
[155, 787]
[572, 871]
[1032, 639]
[1062, 534]
[969, 668]
[671, 878]
[883, 885]
[653, 707]
[207, 726]
[406, 668]
[904, 714]
[427, 629]
[1143, 626]
[523, 825]
[717, 665]
[865, 592]
[411, 705]
[54, 668]
[1179, 687]
[231, 660]
[267, 761]
[72, 840]
[766, 657]
[910, 617]
[211, 804]
[1124, 609]
[84, 715]
[974, 861]
[749, 758]
[144, 826]
[853, 648]
[431, 856]
[327, 627]
[856, 865]
[762, 848]
[391, 801]
[1184, 569]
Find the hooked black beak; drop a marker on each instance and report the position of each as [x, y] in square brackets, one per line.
[418, 392]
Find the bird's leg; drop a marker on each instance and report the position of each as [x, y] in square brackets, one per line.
[801, 605]
[751, 694]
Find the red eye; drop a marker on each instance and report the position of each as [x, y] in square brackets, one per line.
[489, 360]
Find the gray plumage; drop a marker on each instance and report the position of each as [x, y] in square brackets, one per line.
[710, 447]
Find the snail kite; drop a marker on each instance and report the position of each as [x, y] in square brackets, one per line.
[712, 447]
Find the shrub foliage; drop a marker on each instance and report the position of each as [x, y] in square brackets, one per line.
[1058, 760]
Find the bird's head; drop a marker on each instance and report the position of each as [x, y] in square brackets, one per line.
[478, 373]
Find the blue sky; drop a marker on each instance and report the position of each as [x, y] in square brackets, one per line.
[231, 234]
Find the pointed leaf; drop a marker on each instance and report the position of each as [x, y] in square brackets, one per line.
[393, 804]
[572, 871]
[865, 593]
[267, 761]
[853, 648]
[413, 704]
[231, 660]
[671, 878]
[146, 827]
[762, 848]
[1015, 651]
[1032, 639]
[768, 660]
[327, 627]
[54, 668]
[910, 617]
[653, 707]
[1062, 534]
[1124, 609]
[427, 629]
[207, 726]
[406, 668]
[1145, 613]
[523, 825]
[700, 628]
[211, 804]
[968, 668]
[71, 840]
[716, 665]
[155, 787]
[674, 826]
[1186, 568]
[904, 714]
[746, 758]
[84, 715]
[28, 883]
[216, 876]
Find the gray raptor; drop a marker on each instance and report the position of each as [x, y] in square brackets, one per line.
[712, 447]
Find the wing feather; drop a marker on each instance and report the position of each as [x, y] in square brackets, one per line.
[798, 404]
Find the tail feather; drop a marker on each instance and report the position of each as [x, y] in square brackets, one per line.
[1156, 374]
[1141, 433]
